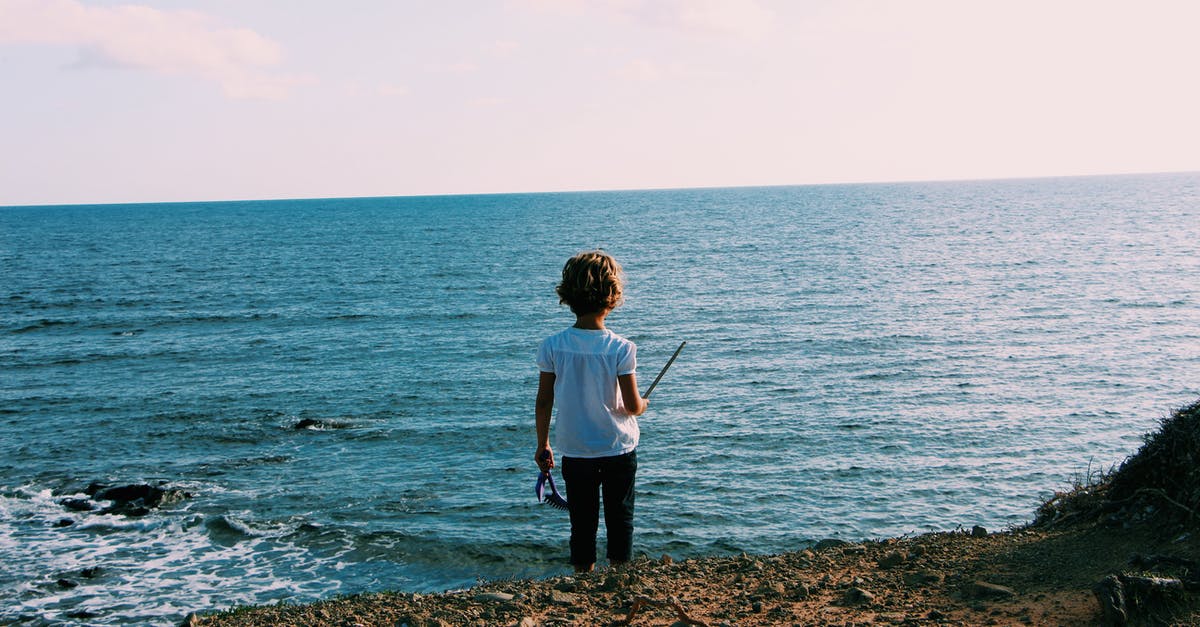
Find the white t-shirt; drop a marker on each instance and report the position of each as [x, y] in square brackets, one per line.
[591, 420]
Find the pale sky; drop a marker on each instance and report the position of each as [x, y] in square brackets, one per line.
[180, 100]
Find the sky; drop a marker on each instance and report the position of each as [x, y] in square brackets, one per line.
[249, 99]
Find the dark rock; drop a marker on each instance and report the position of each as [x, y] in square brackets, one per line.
[191, 620]
[67, 583]
[614, 582]
[1111, 595]
[78, 505]
[978, 532]
[82, 614]
[892, 560]
[65, 522]
[829, 543]
[91, 573]
[1135, 598]
[138, 499]
[317, 425]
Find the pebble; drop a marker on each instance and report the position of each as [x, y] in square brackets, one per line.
[923, 578]
[558, 597]
[991, 590]
[978, 532]
[857, 596]
[499, 597]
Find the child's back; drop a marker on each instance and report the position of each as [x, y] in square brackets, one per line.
[592, 373]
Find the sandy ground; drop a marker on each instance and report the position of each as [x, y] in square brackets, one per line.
[1018, 577]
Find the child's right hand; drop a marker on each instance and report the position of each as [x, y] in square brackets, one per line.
[544, 458]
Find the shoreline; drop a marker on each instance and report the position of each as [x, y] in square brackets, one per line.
[1024, 576]
[1119, 550]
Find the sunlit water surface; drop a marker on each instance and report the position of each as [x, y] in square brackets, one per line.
[863, 361]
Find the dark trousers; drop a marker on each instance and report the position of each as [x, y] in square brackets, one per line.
[586, 480]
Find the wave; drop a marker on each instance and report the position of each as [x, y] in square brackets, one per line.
[43, 324]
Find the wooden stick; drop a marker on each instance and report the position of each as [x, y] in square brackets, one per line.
[664, 370]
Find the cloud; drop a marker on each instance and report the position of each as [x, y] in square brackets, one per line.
[488, 102]
[640, 70]
[745, 19]
[391, 89]
[503, 48]
[185, 43]
[739, 19]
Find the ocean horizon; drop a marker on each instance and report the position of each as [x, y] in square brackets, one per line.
[344, 387]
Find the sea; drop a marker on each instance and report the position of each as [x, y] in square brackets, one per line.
[862, 361]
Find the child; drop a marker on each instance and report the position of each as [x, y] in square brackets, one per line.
[591, 372]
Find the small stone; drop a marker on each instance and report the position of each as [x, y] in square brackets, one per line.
[892, 560]
[91, 573]
[771, 590]
[566, 585]
[800, 592]
[857, 596]
[494, 597]
[191, 620]
[666, 560]
[67, 583]
[983, 589]
[526, 621]
[558, 597]
[614, 582]
[923, 578]
[978, 532]
[64, 522]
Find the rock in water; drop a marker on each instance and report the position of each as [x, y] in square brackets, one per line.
[77, 505]
[136, 499]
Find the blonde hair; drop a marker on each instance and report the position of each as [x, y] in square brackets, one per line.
[591, 282]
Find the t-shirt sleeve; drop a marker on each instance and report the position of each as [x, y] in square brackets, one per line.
[627, 359]
[545, 357]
